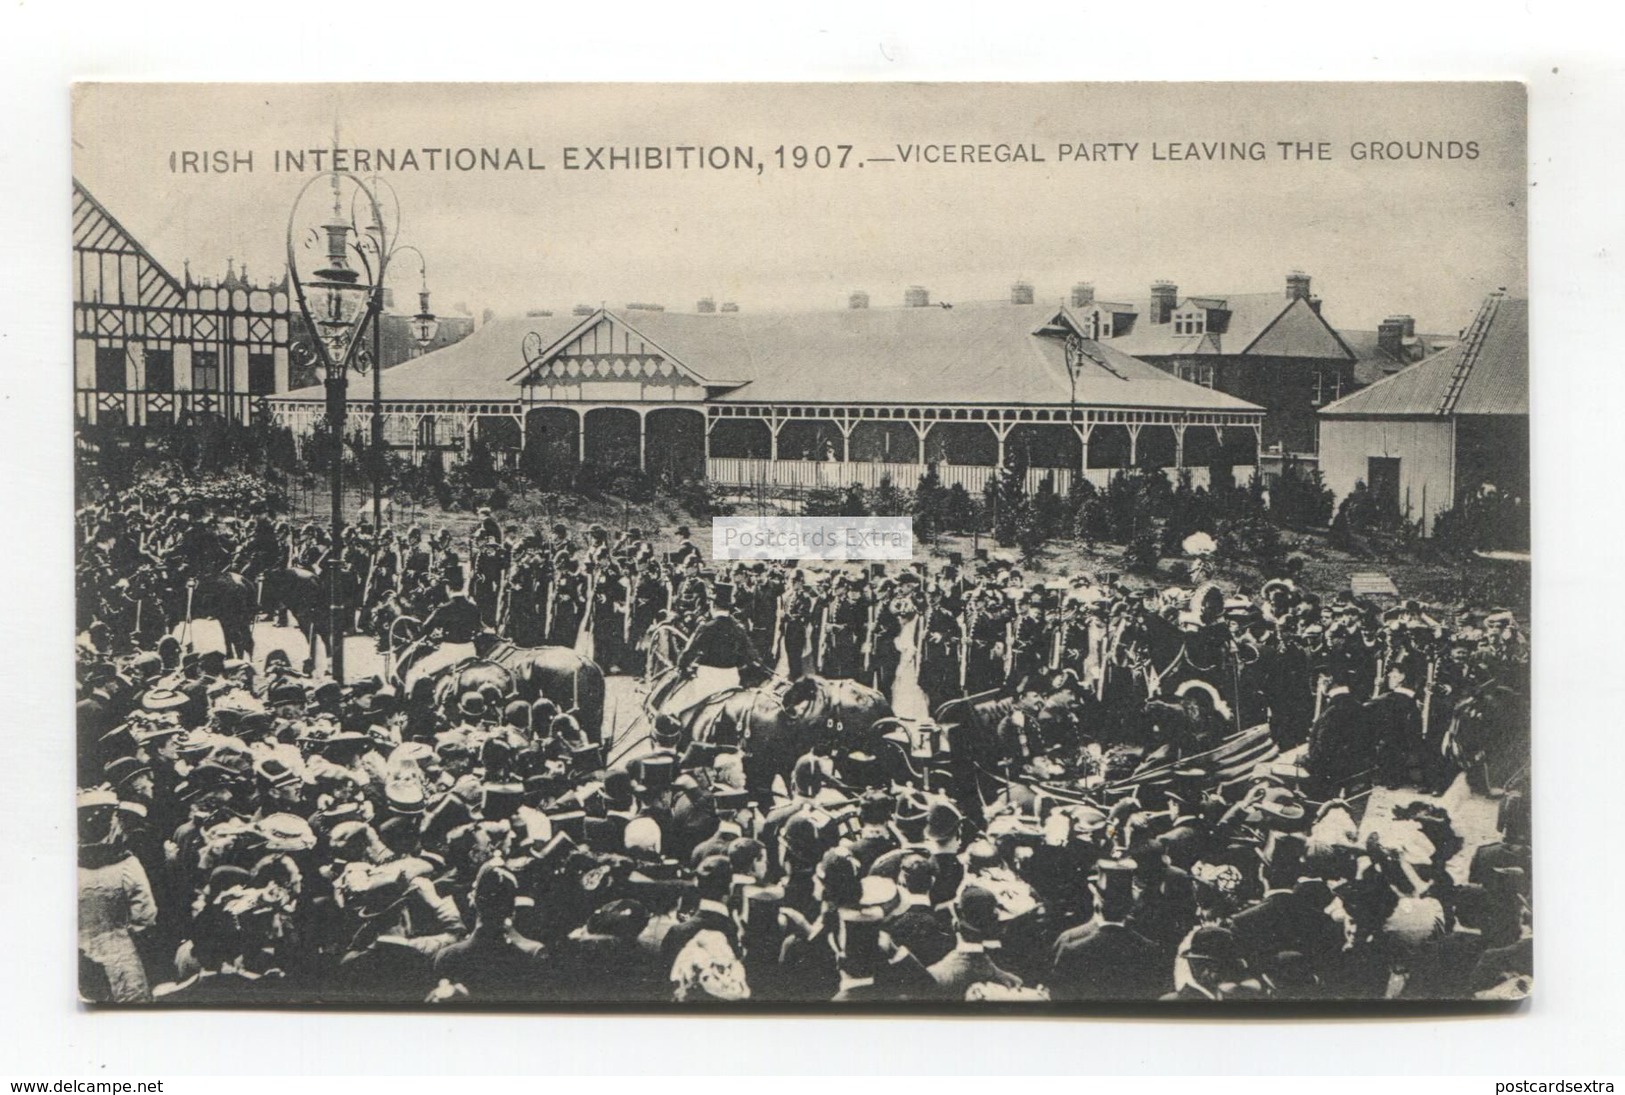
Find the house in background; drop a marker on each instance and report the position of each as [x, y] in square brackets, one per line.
[1275, 350]
[1443, 428]
[1393, 346]
[153, 349]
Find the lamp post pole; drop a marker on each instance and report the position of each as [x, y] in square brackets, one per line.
[337, 305]
[378, 415]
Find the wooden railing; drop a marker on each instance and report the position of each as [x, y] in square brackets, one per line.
[802, 475]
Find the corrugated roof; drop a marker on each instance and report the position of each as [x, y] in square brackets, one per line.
[970, 353]
[1497, 381]
[477, 368]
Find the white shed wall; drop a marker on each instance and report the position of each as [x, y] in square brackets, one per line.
[1425, 449]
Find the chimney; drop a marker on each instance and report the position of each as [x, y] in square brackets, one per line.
[1392, 333]
[729, 306]
[916, 296]
[583, 310]
[1021, 292]
[1314, 304]
[706, 306]
[858, 299]
[640, 306]
[1297, 285]
[1164, 299]
[1083, 294]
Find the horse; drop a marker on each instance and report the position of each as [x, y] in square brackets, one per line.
[1151, 655]
[227, 598]
[773, 722]
[302, 592]
[570, 680]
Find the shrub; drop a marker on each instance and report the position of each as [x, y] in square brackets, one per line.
[929, 506]
[889, 501]
[822, 502]
[1488, 520]
[1300, 498]
[1143, 550]
[961, 512]
[1255, 540]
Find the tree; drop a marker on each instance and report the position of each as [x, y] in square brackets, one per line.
[1049, 510]
[1486, 520]
[854, 501]
[1143, 550]
[1006, 493]
[1029, 529]
[888, 501]
[930, 504]
[961, 512]
[823, 502]
[1299, 497]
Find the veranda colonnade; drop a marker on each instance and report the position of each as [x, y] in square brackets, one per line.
[805, 444]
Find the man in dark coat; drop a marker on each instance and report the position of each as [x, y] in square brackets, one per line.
[1340, 747]
[1395, 720]
[722, 641]
[495, 963]
[1105, 959]
[977, 916]
[713, 878]
[458, 620]
[927, 933]
[1291, 915]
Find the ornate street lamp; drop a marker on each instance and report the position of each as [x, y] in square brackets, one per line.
[424, 325]
[339, 300]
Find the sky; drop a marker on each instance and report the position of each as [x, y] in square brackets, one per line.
[1428, 237]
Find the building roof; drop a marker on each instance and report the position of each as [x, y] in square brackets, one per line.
[1495, 368]
[1261, 324]
[1372, 363]
[974, 353]
[475, 368]
[969, 353]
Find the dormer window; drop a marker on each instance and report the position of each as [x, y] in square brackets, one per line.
[1190, 323]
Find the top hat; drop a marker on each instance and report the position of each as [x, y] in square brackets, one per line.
[500, 801]
[604, 834]
[656, 772]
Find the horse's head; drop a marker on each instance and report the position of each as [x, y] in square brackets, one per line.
[805, 701]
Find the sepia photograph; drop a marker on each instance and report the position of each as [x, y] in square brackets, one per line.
[973, 546]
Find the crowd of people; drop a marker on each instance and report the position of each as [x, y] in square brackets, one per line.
[1087, 789]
